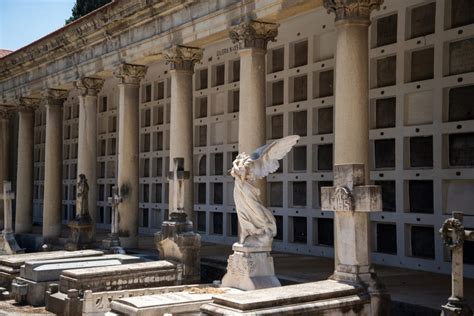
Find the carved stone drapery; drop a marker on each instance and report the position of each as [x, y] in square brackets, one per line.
[352, 10]
[253, 34]
[130, 73]
[53, 97]
[89, 86]
[182, 57]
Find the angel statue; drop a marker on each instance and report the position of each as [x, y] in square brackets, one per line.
[82, 197]
[257, 223]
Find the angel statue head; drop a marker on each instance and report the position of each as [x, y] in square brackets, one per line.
[257, 224]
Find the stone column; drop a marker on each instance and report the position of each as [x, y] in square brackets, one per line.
[128, 152]
[24, 179]
[181, 60]
[5, 115]
[87, 140]
[252, 37]
[350, 199]
[53, 101]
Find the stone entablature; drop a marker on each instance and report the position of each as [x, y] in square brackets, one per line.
[92, 46]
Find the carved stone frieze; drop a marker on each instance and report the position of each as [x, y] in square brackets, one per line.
[130, 73]
[182, 57]
[89, 86]
[253, 34]
[53, 97]
[352, 10]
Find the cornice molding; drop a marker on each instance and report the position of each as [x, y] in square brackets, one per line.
[254, 34]
[183, 57]
[352, 10]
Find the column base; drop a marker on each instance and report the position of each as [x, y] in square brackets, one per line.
[111, 244]
[250, 268]
[365, 276]
[177, 242]
[456, 307]
[8, 244]
[81, 235]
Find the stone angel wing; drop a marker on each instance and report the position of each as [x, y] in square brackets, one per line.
[265, 159]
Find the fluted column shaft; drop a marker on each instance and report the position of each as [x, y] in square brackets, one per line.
[24, 179]
[128, 152]
[53, 100]
[87, 140]
[181, 60]
[253, 37]
[4, 144]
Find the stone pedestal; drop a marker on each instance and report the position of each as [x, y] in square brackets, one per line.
[250, 269]
[177, 242]
[81, 234]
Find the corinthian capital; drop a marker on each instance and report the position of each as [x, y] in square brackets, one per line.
[28, 105]
[253, 34]
[352, 10]
[6, 112]
[89, 86]
[130, 73]
[53, 97]
[182, 57]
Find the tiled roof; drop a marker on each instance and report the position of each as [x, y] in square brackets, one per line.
[4, 52]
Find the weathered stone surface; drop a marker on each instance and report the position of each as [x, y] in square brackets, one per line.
[127, 276]
[315, 298]
[35, 276]
[173, 301]
[10, 265]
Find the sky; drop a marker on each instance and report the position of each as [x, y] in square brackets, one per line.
[24, 21]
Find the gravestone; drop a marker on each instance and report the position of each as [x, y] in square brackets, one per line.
[326, 83]
[384, 153]
[73, 283]
[421, 152]
[10, 265]
[277, 92]
[177, 241]
[461, 150]
[325, 120]
[8, 244]
[177, 300]
[278, 59]
[422, 64]
[35, 276]
[461, 106]
[315, 298]
[387, 30]
[112, 242]
[454, 235]
[81, 230]
[386, 71]
[423, 20]
[385, 113]
[461, 56]
[300, 88]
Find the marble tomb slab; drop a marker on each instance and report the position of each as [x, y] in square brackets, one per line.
[187, 300]
[135, 275]
[322, 298]
[10, 265]
[35, 276]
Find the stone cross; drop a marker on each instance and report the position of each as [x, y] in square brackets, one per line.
[114, 201]
[453, 234]
[349, 192]
[7, 197]
[352, 200]
[177, 176]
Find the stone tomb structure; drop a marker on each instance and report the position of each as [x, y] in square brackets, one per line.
[10, 266]
[73, 283]
[35, 276]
